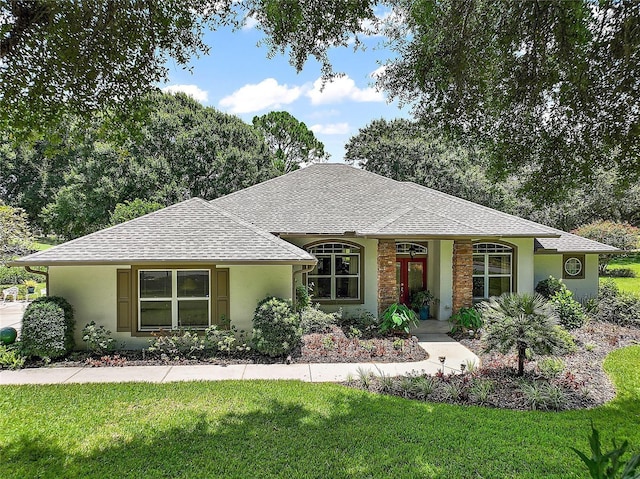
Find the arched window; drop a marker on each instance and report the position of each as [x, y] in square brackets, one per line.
[492, 270]
[337, 275]
[411, 249]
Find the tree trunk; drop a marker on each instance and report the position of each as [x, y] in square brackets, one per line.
[522, 354]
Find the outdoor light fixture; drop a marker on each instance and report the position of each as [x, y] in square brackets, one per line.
[412, 251]
[442, 360]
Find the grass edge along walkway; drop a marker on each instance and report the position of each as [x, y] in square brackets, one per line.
[273, 429]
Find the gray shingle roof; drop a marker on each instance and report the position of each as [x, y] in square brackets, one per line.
[334, 198]
[193, 231]
[570, 243]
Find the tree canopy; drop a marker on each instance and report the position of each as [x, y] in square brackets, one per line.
[291, 143]
[548, 87]
[72, 185]
[15, 235]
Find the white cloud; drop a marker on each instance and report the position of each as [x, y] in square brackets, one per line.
[340, 89]
[331, 129]
[378, 71]
[194, 91]
[266, 94]
[249, 22]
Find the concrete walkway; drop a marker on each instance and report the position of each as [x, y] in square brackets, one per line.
[430, 337]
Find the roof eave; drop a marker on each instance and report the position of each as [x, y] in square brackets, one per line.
[184, 262]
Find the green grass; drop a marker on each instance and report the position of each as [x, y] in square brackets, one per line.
[44, 242]
[286, 429]
[632, 262]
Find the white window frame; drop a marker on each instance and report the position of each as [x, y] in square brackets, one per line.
[492, 249]
[334, 249]
[174, 298]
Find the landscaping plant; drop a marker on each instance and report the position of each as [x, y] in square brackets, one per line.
[314, 320]
[276, 327]
[570, 312]
[608, 465]
[47, 328]
[522, 322]
[98, 339]
[466, 319]
[617, 307]
[398, 318]
[550, 286]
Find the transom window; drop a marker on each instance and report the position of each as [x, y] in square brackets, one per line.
[174, 298]
[492, 270]
[410, 248]
[337, 274]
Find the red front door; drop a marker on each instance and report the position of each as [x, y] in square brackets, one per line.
[411, 276]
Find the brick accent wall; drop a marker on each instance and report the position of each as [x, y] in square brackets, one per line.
[387, 288]
[462, 275]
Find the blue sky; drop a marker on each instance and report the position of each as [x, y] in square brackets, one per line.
[238, 78]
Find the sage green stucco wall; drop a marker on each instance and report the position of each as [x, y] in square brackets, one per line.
[249, 284]
[92, 292]
[551, 265]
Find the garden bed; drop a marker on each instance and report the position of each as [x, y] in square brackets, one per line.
[332, 347]
[581, 383]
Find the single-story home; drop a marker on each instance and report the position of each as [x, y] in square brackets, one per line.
[359, 240]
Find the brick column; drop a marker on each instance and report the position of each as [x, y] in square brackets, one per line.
[462, 275]
[387, 288]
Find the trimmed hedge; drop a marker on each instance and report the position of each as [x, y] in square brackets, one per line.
[47, 328]
[276, 327]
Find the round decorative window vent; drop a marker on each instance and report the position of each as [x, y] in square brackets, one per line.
[573, 267]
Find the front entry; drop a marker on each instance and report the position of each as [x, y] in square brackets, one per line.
[411, 276]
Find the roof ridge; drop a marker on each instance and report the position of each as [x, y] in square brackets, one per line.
[265, 234]
[119, 225]
[477, 205]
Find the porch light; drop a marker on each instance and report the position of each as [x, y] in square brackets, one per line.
[412, 251]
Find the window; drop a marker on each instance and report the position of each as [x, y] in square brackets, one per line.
[572, 266]
[337, 275]
[411, 249]
[492, 270]
[175, 298]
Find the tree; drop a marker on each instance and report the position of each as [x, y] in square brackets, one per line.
[15, 236]
[291, 143]
[410, 151]
[183, 150]
[521, 322]
[130, 210]
[619, 235]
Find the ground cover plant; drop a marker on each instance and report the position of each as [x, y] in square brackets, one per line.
[296, 430]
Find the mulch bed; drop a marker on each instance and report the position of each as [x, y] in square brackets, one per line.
[583, 383]
[332, 347]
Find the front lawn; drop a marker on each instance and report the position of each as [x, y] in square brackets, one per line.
[295, 430]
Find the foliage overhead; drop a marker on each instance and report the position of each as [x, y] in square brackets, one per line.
[183, 150]
[130, 210]
[15, 236]
[619, 235]
[291, 143]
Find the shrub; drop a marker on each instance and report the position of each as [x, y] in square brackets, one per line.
[47, 328]
[314, 320]
[180, 343]
[569, 311]
[361, 319]
[616, 307]
[11, 358]
[480, 391]
[16, 275]
[620, 273]
[398, 317]
[303, 300]
[466, 319]
[544, 396]
[550, 286]
[551, 367]
[224, 340]
[98, 339]
[521, 322]
[276, 327]
[620, 235]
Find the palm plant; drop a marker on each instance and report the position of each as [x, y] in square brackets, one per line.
[521, 322]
